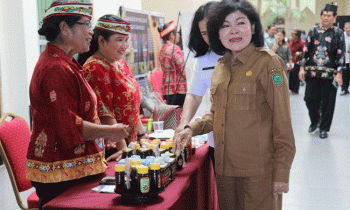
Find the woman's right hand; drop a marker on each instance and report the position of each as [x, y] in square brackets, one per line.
[116, 156]
[118, 132]
[182, 137]
[179, 129]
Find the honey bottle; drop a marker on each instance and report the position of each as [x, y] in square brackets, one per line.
[143, 179]
[119, 178]
[154, 174]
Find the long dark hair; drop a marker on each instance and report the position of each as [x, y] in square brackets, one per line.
[94, 42]
[196, 42]
[51, 26]
[284, 34]
[221, 11]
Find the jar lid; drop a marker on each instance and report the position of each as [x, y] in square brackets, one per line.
[127, 150]
[136, 162]
[155, 166]
[142, 170]
[155, 143]
[119, 168]
[143, 141]
[156, 140]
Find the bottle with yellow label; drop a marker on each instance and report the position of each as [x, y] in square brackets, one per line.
[143, 179]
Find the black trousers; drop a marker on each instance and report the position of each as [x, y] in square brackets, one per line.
[317, 91]
[294, 82]
[346, 79]
[176, 99]
[48, 191]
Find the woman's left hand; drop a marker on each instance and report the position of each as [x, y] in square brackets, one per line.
[279, 188]
[116, 156]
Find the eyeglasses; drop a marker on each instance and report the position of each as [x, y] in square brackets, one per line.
[84, 24]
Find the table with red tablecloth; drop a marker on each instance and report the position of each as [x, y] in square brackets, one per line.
[193, 188]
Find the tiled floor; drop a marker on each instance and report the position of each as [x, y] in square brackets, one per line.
[320, 176]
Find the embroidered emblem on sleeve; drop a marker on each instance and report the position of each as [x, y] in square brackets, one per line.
[53, 96]
[278, 79]
[87, 106]
[249, 73]
[80, 149]
[40, 144]
[277, 76]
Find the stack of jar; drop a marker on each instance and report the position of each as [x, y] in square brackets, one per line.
[143, 179]
[149, 159]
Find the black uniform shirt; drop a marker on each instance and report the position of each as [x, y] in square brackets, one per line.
[324, 52]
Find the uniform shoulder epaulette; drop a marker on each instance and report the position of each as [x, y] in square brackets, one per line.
[269, 52]
[222, 58]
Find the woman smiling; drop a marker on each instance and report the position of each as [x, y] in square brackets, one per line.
[118, 93]
[66, 146]
[251, 121]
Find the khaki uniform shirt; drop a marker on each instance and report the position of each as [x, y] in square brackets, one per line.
[250, 116]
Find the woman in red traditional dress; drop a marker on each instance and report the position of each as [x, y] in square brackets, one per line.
[66, 145]
[118, 93]
[172, 63]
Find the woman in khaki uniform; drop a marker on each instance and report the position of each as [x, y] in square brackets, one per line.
[254, 141]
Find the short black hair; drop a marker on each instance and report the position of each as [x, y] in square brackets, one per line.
[161, 28]
[324, 10]
[270, 26]
[94, 42]
[297, 32]
[51, 26]
[221, 11]
[196, 42]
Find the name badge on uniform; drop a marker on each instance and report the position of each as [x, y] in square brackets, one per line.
[206, 73]
[208, 68]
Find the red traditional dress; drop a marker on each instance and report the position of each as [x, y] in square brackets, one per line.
[118, 93]
[60, 100]
[172, 65]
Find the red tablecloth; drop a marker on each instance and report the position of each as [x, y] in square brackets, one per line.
[193, 188]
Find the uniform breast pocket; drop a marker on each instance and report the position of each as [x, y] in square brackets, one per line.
[244, 96]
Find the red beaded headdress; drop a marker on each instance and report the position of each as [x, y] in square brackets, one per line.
[69, 8]
[171, 27]
[122, 28]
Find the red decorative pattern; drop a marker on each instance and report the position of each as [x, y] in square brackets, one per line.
[117, 91]
[172, 63]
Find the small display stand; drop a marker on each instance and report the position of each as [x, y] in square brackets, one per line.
[130, 198]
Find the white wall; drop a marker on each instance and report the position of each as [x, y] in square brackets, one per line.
[102, 7]
[19, 51]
